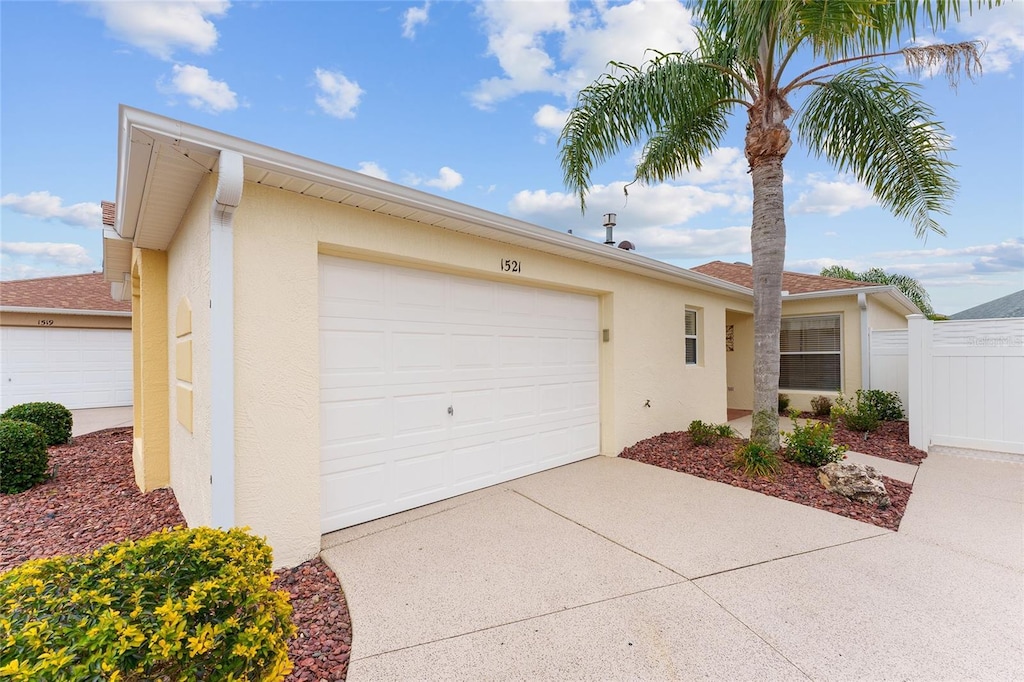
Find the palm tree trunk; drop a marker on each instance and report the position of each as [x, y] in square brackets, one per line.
[768, 252]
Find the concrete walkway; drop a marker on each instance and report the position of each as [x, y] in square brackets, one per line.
[612, 569]
[99, 418]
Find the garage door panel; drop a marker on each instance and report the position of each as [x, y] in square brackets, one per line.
[516, 365]
[417, 414]
[419, 477]
[419, 351]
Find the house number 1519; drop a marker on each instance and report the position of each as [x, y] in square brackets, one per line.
[509, 265]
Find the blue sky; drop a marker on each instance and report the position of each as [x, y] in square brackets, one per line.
[466, 101]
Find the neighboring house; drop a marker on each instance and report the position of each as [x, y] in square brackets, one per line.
[826, 325]
[64, 339]
[1011, 305]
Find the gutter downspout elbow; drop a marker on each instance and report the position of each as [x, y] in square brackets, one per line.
[222, 339]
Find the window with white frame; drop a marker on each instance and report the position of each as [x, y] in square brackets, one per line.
[810, 353]
[691, 337]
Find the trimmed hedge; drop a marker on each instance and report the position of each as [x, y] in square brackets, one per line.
[178, 604]
[53, 418]
[23, 457]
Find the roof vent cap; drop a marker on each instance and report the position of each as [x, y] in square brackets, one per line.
[627, 246]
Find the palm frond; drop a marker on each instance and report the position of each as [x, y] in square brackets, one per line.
[623, 109]
[953, 59]
[866, 122]
[682, 145]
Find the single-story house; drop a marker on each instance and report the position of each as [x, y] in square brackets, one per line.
[316, 348]
[1011, 305]
[64, 339]
[825, 337]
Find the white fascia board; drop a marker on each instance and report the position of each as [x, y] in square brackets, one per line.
[293, 165]
[897, 297]
[64, 311]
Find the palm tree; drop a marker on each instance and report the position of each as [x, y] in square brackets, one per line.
[910, 287]
[856, 114]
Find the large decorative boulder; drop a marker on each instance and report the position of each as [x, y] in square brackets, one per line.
[858, 482]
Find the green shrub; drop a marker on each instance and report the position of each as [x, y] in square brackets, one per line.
[192, 604]
[863, 418]
[812, 444]
[885, 404]
[53, 418]
[708, 434]
[821, 406]
[783, 403]
[756, 460]
[23, 456]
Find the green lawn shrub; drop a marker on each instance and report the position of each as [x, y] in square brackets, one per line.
[783, 403]
[53, 418]
[708, 434]
[756, 460]
[821, 406]
[23, 457]
[812, 444]
[862, 418]
[885, 404]
[187, 604]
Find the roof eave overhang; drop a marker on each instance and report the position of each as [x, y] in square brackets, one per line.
[142, 134]
[896, 298]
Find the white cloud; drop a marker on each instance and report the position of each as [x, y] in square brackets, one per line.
[162, 27]
[202, 91]
[447, 179]
[662, 205]
[724, 169]
[373, 170]
[49, 253]
[413, 17]
[832, 198]
[49, 207]
[338, 96]
[550, 118]
[1002, 30]
[680, 244]
[523, 37]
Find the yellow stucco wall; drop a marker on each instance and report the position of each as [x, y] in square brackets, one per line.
[740, 361]
[150, 452]
[277, 238]
[65, 321]
[881, 316]
[188, 278]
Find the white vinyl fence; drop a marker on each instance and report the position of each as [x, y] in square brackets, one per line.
[966, 383]
[888, 365]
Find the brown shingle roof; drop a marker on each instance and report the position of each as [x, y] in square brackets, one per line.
[70, 292]
[793, 282]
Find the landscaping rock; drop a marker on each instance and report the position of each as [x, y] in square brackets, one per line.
[857, 482]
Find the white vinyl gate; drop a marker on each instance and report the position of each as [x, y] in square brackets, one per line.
[433, 385]
[966, 383]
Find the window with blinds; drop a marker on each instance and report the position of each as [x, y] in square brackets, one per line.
[691, 337]
[810, 353]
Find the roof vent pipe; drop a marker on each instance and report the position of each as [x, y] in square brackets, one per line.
[609, 223]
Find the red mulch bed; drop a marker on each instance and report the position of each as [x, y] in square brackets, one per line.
[891, 440]
[94, 501]
[795, 482]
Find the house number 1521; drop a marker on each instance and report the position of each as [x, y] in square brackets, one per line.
[509, 265]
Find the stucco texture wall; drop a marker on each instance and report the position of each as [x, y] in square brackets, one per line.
[278, 236]
[881, 316]
[740, 360]
[188, 276]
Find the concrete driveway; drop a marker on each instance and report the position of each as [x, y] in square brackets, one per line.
[610, 569]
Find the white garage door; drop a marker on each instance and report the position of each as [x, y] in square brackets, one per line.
[432, 385]
[74, 367]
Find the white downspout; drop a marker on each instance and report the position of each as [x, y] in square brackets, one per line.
[865, 342]
[222, 339]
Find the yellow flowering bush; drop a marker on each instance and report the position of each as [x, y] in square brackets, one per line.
[186, 604]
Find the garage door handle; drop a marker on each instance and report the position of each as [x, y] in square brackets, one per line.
[450, 410]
